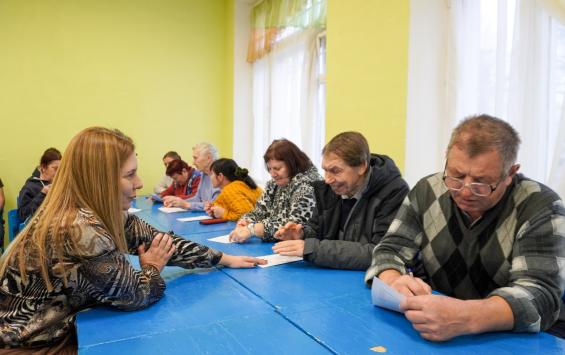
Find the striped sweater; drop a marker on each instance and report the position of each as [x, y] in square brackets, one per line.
[516, 250]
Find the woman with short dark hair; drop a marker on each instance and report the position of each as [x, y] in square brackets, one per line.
[186, 181]
[35, 189]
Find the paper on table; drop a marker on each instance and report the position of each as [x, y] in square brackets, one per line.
[221, 239]
[171, 209]
[133, 210]
[190, 219]
[277, 259]
[385, 296]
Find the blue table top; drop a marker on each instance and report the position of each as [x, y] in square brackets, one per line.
[291, 308]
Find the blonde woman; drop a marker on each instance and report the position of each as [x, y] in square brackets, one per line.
[71, 254]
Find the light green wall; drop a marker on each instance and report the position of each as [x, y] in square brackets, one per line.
[367, 66]
[158, 70]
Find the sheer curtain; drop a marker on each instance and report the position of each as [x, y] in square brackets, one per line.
[287, 86]
[495, 57]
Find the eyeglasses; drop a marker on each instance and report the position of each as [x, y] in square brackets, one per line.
[477, 188]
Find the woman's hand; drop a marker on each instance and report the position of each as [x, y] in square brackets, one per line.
[240, 234]
[159, 253]
[208, 208]
[174, 201]
[217, 212]
[234, 261]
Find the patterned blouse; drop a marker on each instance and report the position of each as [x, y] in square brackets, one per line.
[278, 205]
[31, 316]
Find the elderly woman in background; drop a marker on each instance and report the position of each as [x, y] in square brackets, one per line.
[186, 182]
[288, 196]
[166, 180]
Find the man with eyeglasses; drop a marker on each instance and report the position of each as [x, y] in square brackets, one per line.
[489, 239]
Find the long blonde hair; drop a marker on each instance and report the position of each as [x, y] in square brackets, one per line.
[89, 178]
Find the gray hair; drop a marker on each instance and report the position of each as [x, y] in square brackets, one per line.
[207, 148]
[480, 134]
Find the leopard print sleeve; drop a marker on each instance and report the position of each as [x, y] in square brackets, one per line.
[262, 207]
[296, 205]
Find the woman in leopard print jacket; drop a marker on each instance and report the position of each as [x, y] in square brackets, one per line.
[288, 196]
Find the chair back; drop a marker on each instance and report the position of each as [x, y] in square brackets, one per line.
[14, 224]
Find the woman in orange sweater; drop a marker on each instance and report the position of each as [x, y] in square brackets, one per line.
[238, 190]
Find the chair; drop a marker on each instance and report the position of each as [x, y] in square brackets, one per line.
[14, 224]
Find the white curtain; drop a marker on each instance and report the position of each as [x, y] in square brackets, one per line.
[494, 57]
[556, 9]
[285, 86]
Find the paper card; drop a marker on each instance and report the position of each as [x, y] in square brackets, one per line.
[277, 259]
[191, 219]
[385, 296]
[221, 239]
[133, 210]
[171, 209]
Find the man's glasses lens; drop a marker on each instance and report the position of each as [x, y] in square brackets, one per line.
[476, 188]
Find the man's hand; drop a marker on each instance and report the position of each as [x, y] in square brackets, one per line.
[405, 284]
[290, 247]
[290, 231]
[437, 318]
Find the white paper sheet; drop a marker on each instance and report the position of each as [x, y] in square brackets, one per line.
[171, 209]
[190, 219]
[385, 296]
[277, 259]
[133, 210]
[221, 239]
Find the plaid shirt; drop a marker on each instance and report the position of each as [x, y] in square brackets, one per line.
[516, 250]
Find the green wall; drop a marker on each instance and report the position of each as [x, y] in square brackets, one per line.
[367, 68]
[162, 71]
[158, 70]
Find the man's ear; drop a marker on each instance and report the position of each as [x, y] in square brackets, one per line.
[513, 170]
[363, 168]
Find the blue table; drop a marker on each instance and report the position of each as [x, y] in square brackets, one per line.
[291, 308]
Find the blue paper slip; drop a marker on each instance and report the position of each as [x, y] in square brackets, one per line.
[156, 198]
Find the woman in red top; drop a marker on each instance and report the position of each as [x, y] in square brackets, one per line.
[185, 181]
